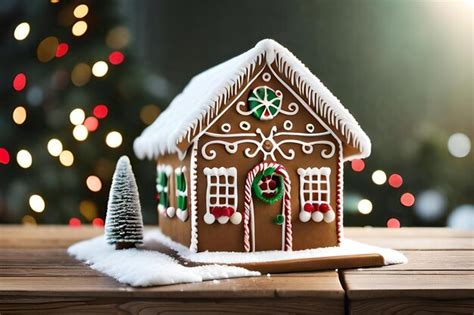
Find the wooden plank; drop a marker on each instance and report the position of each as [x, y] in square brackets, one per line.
[428, 261]
[411, 306]
[427, 243]
[35, 305]
[315, 286]
[407, 232]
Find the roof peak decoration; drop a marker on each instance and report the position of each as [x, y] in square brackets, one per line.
[200, 103]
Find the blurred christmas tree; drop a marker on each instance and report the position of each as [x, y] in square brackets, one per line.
[72, 103]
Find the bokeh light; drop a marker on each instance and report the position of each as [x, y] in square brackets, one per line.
[37, 203]
[4, 156]
[113, 139]
[98, 222]
[79, 28]
[19, 82]
[395, 180]
[24, 158]
[62, 50]
[379, 177]
[393, 223]
[19, 115]
[462, 217]
[81, 74]
[34, 95]
[91, 123]
[100, 111]
[118, 37]
[149, 113]
[358, 165]
[88, 209]
[21, 31]
[77, 116]
[81, 11]
[407, 199]
[80, 133]
[430, 205]
[66, 158]
[55, 147]
[28, 219]
[47, 48]
[74, 222]
[94, 183]
[116, 57]
[459, 145]
[365, 206]
[100, 68]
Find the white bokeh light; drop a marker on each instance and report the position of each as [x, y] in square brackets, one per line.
[37, 203]
[113, 139]
[379, 177]
[462, 217]
[365, 206]
[100, 68]
[459, 145]
[21, 31]
[77, 116]
[430, 205]
[24, 158]
[55, 147]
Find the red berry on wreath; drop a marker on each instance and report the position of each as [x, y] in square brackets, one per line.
[324, 207]
[272, 184]
[308, 207]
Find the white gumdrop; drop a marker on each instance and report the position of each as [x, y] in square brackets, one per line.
[329, 216]
[182, 214]
[317, 216]
[171, 212]
[209, 218]
[305, 216]
[223, 220]
[236, 218]
[161, 209]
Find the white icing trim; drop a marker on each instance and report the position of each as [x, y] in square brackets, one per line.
[167, 170]
[193, 204]
[309, 127]
[231, 147]
[170, 212]
[209, 92]
[288, 125]
[245, 125]
[182, 214]
[213, 177]
[266, 77]
[225, 127]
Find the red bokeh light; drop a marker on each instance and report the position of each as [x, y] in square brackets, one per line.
[393, 223]
[100, 111]
[19, 82]
[395, 180]
[4, 156]
[358, 165]
[91, 123]
[62, 50]
[98, 222]
[116, 57]
[74, 222]
[407, 199]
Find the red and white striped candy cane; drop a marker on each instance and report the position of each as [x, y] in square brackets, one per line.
[249, 209]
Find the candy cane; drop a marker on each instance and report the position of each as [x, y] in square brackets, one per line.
[249, 209]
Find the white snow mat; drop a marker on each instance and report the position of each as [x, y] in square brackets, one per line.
[142, 268]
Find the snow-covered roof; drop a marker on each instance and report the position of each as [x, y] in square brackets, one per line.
[201, 100]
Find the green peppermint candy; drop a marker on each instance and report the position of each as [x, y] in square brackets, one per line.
[264, 102]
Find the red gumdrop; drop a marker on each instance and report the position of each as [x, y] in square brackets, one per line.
[308, 207]
[324, 207]
[229, 211]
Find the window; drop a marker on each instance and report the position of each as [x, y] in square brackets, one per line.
[315, 195]
[163, 173]
[221, 195]
[181, 190]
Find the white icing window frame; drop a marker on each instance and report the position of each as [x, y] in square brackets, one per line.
[213, 176]
[313, 182]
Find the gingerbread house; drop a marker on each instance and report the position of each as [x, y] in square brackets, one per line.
[250, 156]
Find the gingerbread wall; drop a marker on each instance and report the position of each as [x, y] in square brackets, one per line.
[268, 235]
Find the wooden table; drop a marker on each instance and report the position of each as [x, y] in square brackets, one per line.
[37, 276]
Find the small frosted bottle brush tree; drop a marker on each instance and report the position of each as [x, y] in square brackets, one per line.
[124, 224]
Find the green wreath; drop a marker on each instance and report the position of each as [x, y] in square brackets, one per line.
[277, 192]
